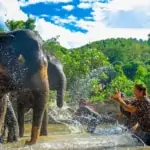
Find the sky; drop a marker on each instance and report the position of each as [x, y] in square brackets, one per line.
[79, 22]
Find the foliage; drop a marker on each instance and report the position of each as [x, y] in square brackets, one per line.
[141, 73]
[53, 46]
[78, 63]
[130, 68]
[114, 63]
[122, 83]
[28, 24]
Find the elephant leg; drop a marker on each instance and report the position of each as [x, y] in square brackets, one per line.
[12, 124]
[40, 98]
[3, 131]
[39, 106]
[20, 110]
[43, 131]
[3, 108]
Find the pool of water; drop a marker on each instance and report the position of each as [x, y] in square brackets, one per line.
[61, 138]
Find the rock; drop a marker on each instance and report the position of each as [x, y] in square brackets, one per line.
[107, 107]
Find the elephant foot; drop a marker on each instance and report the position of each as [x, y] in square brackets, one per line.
[43, 133]
[29, 142]
[1, 139]
[34, 136]
[20, 135]
[11, 139]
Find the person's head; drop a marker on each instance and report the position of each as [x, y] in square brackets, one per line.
[140, 91]
[82, 102]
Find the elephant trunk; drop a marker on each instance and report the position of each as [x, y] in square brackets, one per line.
[61, 92]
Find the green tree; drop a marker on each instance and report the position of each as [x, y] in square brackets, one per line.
[119, 70]
[122, 83]
[130, 68]
[79, 63]
[141, 73]
[148, 41]
[147, 81]
[53, 46]
[28, 24]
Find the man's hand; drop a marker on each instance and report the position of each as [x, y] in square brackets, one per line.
[134, 128]
[117, 96]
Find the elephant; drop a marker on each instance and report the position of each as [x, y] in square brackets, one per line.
[10, 122]
[57, 81]
[31, 75]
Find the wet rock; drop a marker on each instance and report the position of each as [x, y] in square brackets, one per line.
[107, 107]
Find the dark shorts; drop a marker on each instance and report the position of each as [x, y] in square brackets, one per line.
[144, 136]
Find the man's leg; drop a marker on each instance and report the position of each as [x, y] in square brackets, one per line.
[142, 137]
[92, 124]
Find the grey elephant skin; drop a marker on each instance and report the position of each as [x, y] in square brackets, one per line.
[57, 81]
[32, 75]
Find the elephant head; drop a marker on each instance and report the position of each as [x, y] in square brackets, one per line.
[28, 44]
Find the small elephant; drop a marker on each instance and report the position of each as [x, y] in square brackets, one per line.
[11, 123]
[57, 81]
[31, 75]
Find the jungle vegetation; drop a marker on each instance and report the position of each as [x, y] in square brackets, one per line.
[96, 69]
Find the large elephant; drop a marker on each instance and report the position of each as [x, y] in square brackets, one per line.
[32, 75]
[57, 81]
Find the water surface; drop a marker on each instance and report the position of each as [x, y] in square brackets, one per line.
[62, 138]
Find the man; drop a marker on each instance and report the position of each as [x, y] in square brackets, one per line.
[87, 115]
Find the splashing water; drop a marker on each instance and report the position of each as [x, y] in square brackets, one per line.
[105, 135]
[64, 116]
[82, 86]
[15, 70]
[111, 137]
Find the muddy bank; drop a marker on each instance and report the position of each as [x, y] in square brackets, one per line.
[108, 106]
[111, 108]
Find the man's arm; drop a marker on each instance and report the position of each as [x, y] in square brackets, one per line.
[91, 111]
[117, 98]
[128, 108]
